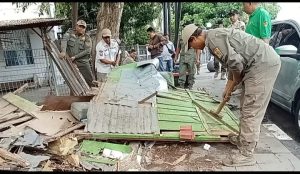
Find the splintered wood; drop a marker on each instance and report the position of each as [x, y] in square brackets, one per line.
[16, 113]
[70, 73]
[10, 114]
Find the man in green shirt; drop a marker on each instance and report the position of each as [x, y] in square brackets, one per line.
[259, 24]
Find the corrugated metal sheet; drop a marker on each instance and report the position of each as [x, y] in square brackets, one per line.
[117, 118]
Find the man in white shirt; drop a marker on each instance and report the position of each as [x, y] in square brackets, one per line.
[168, 51]
[107, 55]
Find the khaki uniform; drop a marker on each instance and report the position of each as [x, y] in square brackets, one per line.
[240, 25]
[260, 66]
[80, 48]
[187, 64]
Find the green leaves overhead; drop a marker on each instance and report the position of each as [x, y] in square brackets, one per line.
[202, 13]
[135, 19]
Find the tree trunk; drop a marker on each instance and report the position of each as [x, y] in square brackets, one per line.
[109, 16]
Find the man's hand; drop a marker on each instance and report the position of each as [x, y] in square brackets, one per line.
[113, 63]
[150, 46]
[227, 92]
[62, 55]
[237, 77]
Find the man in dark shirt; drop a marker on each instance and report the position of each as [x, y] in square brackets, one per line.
[155, 46]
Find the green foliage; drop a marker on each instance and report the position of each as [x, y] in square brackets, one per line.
[135, 19]
[86, 11]
[202, 13]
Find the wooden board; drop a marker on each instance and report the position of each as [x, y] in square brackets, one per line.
[7, 110]
[51, 122]
[12, 122]
[3, 103]
[11, 116]
[21, 103]
[70, 73]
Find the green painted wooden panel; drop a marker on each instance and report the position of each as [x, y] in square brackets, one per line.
[177, 118]
[173, 112]
[181, 95]
[174, 102]
[167, 125]
[166, 137]
[179, 108]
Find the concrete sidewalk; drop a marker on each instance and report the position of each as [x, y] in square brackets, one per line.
[270, 154]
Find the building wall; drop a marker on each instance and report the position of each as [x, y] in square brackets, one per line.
[37, 70]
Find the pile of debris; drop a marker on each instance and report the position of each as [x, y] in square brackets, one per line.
[38, 140]
[135, 104]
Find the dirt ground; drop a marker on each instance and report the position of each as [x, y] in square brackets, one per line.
[185, 156]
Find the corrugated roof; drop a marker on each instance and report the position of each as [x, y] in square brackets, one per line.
[29, 23]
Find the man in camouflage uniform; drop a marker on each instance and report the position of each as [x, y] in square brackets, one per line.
[239, 25]
[77, 44]
[253, 63]
[186, 65]
[235, 22]
[216, 62]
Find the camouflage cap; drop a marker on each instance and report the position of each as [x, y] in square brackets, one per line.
[187, 33]
[106, 32]
[82, 23]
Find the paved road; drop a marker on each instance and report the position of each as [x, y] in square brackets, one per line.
[277, 116]
[286, 123]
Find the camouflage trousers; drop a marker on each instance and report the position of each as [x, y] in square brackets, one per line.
[184, 68]
[257, 88]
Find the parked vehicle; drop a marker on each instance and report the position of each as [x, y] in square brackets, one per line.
[286, 41]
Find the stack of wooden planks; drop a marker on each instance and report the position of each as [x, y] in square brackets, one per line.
[11, 115]
[68, 70]
[16, 114]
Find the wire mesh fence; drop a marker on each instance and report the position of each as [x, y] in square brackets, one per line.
[23, 60]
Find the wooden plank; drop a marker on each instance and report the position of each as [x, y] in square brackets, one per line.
[13, 157]
[174, 94]
[161, 100]
[203, 121]
[167, 125]
[215, 117]
[177, 108]
[21, 103]
[12, 122]
[7, 110]
[71, 74]
[65, 132]
[218, 119]
[163, 117]
[21, 89]
[50, 123]
[11, 116]
[62, 68]
[73, 69]
[172, 98]
[146, 137]
[3, 103]
[14, 130]
[173, 112]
